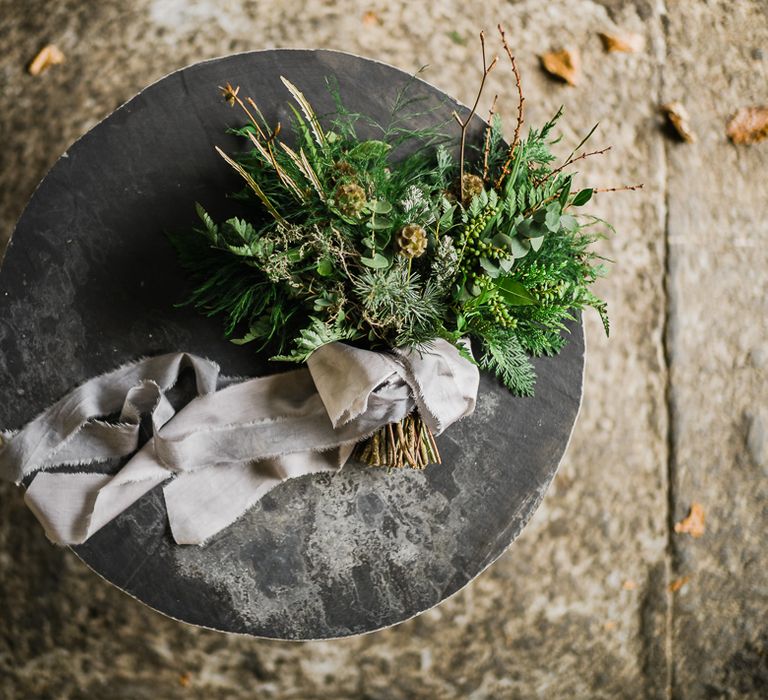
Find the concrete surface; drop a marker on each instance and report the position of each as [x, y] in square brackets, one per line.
[599, 598]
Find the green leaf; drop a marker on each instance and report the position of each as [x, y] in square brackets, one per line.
[377, 262]
[378, 223]
[379, 206]
[325, 267]
[569, 222]
[536, 242]
[491, 268]
[565, 192]
[552, 218]
[514, 293]
[520, 247]
[211, 228]
[502, 240]
[249, 337]
[582, 197]
[369, 150]
[446, 220]
[531, 228]
[506, 264]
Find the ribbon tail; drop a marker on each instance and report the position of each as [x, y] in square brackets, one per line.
[73, 507]
[202, 503]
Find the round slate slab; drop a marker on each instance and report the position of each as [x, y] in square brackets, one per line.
[90, 282]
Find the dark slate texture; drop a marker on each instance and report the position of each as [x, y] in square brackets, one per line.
[89, 282]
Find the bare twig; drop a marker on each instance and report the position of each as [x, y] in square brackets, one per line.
[520, 101]
[487, 145]
[465, 123]
[571, 160]
[625, 188]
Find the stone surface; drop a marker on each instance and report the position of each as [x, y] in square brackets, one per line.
[716, 342]
[580, 606]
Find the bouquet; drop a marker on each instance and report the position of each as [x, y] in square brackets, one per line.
[399, 240]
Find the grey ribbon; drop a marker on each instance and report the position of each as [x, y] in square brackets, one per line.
[225, 449]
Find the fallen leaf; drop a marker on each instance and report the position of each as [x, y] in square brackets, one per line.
[678, 583]
[749, 125]
[49, 55]
[184, 680]
[565, 64]
[693, 523]
[680, 119]
[371, 17]
[629, 585]
[626, 43]
[609, 625]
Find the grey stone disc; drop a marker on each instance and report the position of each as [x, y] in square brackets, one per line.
[90, 282]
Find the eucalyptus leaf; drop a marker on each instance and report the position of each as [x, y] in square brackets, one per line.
[552, 218]
[530, 228]
[377, 262]
[502, 240]
[506, 264]
[520, 247]
[569, 222]
[536, 242]
[378, 223]
[379, 206]
[490, 267]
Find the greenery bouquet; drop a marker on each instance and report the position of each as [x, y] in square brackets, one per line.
[350, 241]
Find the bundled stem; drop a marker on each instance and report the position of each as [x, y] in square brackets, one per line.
[409, 443]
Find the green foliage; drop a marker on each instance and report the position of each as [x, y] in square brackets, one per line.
[503, 355]
[319, 260]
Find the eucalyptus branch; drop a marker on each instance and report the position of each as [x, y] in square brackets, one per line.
[465, 123]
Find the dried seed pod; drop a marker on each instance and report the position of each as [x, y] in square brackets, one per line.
[412, 240]
[472, 185]
[350, 199]
[343, 169]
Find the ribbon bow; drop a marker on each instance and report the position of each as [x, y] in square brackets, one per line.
[224, 450]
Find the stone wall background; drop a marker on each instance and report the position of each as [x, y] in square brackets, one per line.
[599, 598]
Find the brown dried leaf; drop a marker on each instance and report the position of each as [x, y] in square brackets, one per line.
[680, 119]
[626, 43]
[565, 64]
[749, 125]
[184, 680]
[48, 56]
[693, 523]
[678, 583]
[629, 585]
[371, 18]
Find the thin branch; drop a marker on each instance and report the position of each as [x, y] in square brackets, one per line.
[571, 160]
[625, 188]
[465, 123]
[487, 145]
[520, 101]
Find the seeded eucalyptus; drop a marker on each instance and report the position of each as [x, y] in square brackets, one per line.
[347, 243]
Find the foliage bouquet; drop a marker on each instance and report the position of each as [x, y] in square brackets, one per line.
[351, 242]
